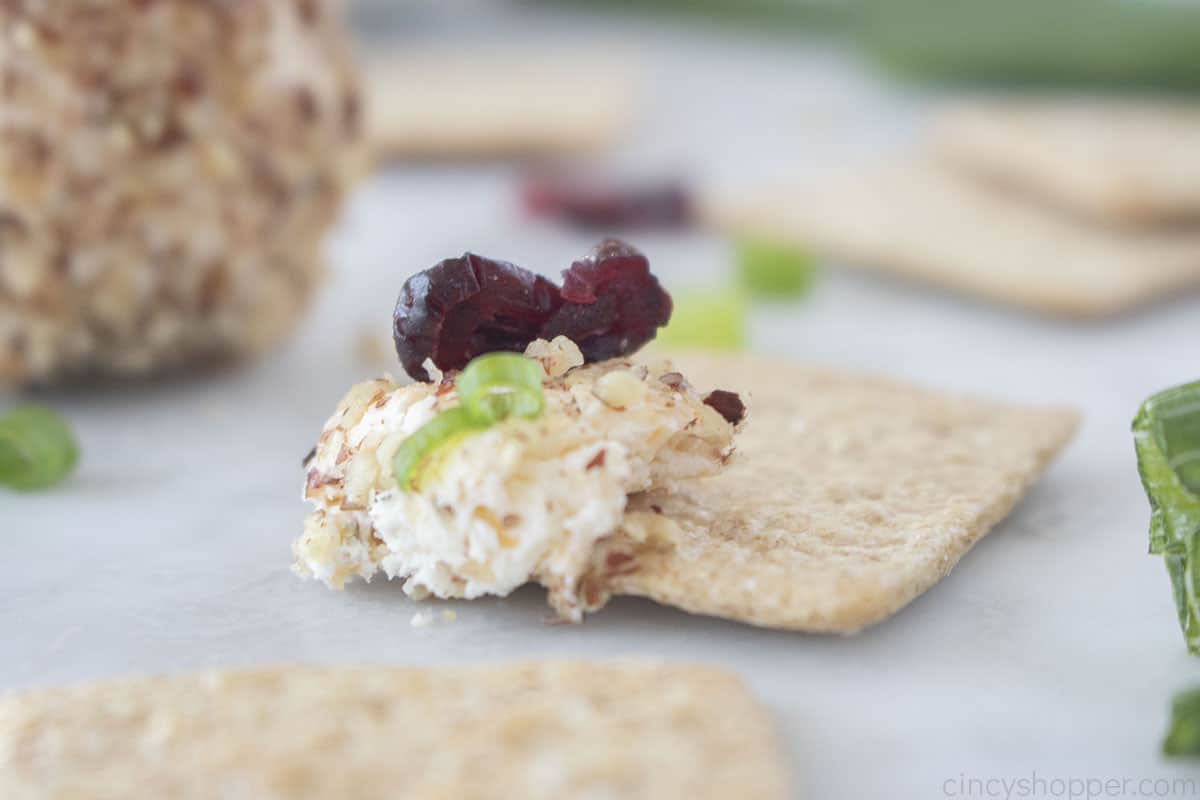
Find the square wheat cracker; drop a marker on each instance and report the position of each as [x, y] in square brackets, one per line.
[922, 220]
[1121, 162]
[849, 496]
[536, 730]
[440, 105]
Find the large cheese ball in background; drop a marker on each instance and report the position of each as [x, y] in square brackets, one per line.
[168, 170]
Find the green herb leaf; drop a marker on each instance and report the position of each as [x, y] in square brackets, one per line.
[1166, 435]
[776, 271]
[709, 319]
[1183, 734]
[491, 389]
[37, 448]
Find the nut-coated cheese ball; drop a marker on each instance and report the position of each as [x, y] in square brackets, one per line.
[168, 170]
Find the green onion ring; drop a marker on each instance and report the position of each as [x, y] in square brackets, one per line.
[37, 449]
[491, 389]
[420, 445]
[496, 386]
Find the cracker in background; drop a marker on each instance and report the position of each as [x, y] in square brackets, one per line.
[848, 497]
[922, 220]
[1124, 162]
[482, 105]
[549, 730]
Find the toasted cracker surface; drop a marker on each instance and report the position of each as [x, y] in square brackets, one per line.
[539, 730]
[1128, 162]
[849, 496]
[922, 220]
[480, 105]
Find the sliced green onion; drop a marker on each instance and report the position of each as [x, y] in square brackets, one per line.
[416, 450]
[1166, 434]
[496, 386]
[709, 319]
[37, 448]
[1183, 733]
[775, 271]
[491, 389]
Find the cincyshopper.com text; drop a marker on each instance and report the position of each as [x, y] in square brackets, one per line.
[1071, 788]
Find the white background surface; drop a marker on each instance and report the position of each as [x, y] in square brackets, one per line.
[1052, 648]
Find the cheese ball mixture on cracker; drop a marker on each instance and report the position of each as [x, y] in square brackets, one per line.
[168, 170]
[524, 500]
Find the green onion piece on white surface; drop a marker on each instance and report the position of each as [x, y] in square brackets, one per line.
[37, 449]
[713, 319]
[774, 271]
[1183, 734]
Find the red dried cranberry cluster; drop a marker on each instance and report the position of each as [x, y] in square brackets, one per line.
[609, 305]
[604, 204]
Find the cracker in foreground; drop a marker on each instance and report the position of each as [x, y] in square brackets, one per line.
[924, 221]
[1124, 162]
[849, 497]
[549, 730]
[478, 105]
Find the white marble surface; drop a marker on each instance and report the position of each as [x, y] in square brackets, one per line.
[1051, 649]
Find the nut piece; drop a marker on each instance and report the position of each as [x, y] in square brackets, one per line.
[167, 173]
[620, 389]
[557, 357]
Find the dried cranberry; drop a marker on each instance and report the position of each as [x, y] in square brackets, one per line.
[609, 305]
[727, 404]
[593, 204]
[612, 304]
[464, 307]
